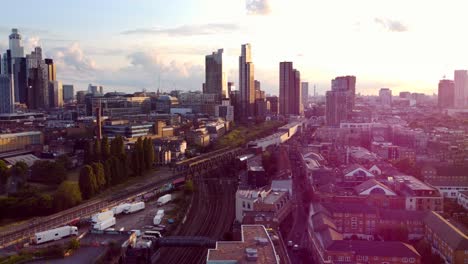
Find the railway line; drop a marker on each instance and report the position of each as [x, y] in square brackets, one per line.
[203, 163]
[211, 215]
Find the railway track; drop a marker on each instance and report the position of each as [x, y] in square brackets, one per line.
[211, 215]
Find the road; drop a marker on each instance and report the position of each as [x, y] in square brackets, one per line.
[298, 233]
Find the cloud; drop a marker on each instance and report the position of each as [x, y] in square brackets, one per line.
[258, 7]
[391, 25]
[186, 30]
[72, 63]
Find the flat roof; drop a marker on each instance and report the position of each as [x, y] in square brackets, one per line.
[272, 197]
[235, 251]
[29, 133]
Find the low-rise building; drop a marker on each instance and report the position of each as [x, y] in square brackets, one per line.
[446, 239]
[255, 247]
[418, 195]
[20, 141]
[462, 199]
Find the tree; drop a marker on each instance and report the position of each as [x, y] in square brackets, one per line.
[117, 146]
[67, 195]
[4, 172]
[88, 153]
[105, 149]
[87, 182]
[48, 171]
[65, 161]
[98, 171]
[108, 171]
[141, 155]
[149, 152]
[97, 150]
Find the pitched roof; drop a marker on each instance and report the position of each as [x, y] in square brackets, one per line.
[352, 167]
[448, 181]
[402, 215]
[322, 221]
[375, 248]
[452, 235]
[369, 184]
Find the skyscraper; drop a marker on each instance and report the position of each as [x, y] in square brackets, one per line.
[7, 102]
[246, 82]
[385, 96]
[51, 71]
[336, 107]
[290, 99]
[55, 94]
[20, 75]
[446, 96]
[17, 51]
[305, 92]
[6, 63]
[38, 80]
[215, 77]
[346, 83]
[68, 92]
[461, 87]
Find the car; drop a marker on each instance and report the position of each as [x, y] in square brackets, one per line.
[160, 226]
[296, 247]
[290, 243]
[148, 227]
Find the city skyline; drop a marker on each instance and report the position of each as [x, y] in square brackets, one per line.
[387, 47]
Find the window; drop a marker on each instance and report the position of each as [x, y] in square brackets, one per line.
[347, 258]
[243, 204]
[404, 260]
[248, 205]
[340, 258]
[411, 260]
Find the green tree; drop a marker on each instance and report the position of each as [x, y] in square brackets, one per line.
[108, 171]
[149, 152]
[74, 244]
[65, 161]
[4, 172]
[88, 153]
[87, 182]
[98, 170]
[97, 150]
[48, 171]
[117, 146]
[105, 149]
[67, 195]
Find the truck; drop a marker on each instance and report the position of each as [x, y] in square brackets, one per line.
[120, 208]
[105, 224]
[158, 217]
[99, 217]
[164, 199]
[134, 207]
[55, 234]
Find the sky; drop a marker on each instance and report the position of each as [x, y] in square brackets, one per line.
[131, 45]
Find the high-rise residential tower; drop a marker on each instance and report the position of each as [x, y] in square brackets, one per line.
[385, 97]
[346, 83]
[461, 88]
[246, 82]
[7, 102]
[446, 95]
[55, 94]
[215, 76]
[290, 99]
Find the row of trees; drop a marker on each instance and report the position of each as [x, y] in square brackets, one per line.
[108, 164]
[29, 201]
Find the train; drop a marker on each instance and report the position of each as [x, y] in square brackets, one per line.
[169, 187]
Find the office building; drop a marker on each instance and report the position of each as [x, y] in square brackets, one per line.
[68, 92]
[6, 63]
[446, 96]
[38, 91]
[385, 97]
[305, 92]
[215, 77]
[20, 75]
[230, 87]
[225, 110]
[274, 104]
[17, 51]
[51, 71]
[55, 94]
[6, 94]
[95, 89]
[461, 87]
[246, 82]
[290, 99]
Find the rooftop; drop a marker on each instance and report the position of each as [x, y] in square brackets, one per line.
[413, 183]
[255, 247]
[272, 197]
[369, 184]
[375, 248]
[29, 133]
[454, 237]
